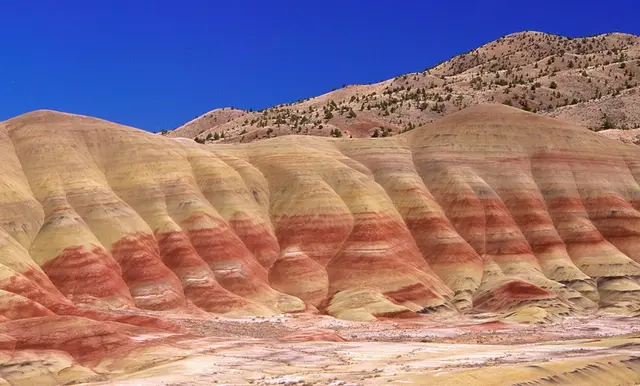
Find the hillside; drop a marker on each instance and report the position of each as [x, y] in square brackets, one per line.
[124, 252]
[591, 81]
[204, 122]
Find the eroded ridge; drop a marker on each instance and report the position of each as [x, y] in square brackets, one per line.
[488, 210]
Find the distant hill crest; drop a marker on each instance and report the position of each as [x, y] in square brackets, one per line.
[589, 81]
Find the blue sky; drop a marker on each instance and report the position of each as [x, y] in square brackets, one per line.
[157, 64]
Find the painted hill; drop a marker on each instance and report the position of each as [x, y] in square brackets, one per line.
[590, 81]
[108, 232]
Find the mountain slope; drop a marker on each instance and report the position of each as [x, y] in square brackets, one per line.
[575, 79]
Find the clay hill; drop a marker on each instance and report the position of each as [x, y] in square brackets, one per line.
[112, 237]
[590, 81]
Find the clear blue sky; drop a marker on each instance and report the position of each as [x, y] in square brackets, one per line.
[157, 64]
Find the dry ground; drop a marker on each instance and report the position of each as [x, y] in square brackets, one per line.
[483, 349]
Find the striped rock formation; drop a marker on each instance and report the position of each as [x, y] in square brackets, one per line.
[489, 209]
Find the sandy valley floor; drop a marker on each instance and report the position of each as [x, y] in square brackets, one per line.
[315, 350]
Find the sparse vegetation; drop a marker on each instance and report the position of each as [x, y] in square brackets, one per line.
[521, 71]
[606, 123]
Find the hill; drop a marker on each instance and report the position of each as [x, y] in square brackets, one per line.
[204, 122]
[591, 81]
[121, 249]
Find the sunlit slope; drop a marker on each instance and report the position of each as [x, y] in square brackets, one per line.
[487, 209]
